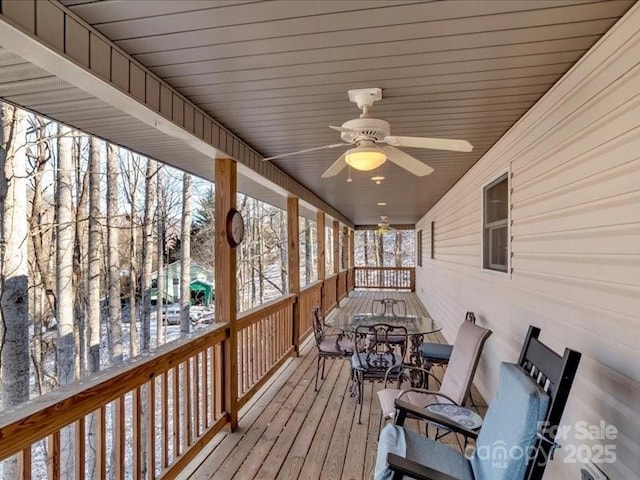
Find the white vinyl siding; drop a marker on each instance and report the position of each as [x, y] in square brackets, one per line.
[575, 164]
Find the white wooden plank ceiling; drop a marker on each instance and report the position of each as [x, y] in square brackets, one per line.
[276, 74]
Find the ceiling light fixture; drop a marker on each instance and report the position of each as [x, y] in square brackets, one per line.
[365, 158]
[382, 204]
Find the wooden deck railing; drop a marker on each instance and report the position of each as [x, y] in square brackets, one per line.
[150, 417]
[264, 342]
[309, 297]
[161, 408]
[330, 294]
[341, 287]
[351, 279]
[386, 277]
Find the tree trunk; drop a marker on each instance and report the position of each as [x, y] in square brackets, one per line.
[147, 252]
[95, 254]
[64, 280]
[160, 283]
[133, 265]
[113, 256]
[41, 241]
[185, 257]
[14, 299]
[398, 252]
[81, 260]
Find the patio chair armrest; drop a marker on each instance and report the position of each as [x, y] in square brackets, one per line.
[404, 367]
[405, 408]
[416, 470]
[435, 393]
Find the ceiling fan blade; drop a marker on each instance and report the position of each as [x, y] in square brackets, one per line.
[343, 129]
[335, 145]
[407, 162]
[434, 143]
[336, 167]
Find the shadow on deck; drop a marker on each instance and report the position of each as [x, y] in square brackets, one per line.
[289, 431]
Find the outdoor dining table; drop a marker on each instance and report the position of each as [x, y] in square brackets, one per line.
[417, 327]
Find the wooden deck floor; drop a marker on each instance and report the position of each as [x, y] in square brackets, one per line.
[290, 431]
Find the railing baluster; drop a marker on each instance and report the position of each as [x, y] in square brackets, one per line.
[164, 414]
[188, 397]
[196, 395]
[53, 456]
[118, 436]
[151, 428]
[175, 396]
[24, 464]
[136, 406]
[79, 441]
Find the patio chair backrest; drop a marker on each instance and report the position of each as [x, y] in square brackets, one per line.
[555, 374]
[518, 416]
[510, 426]
[388, 306]
[380, 348]
[318, 325]
[463, 363]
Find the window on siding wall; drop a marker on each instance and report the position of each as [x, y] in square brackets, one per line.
[433, 240]
[495, 241]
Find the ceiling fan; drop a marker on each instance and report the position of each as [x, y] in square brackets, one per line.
[372, 143]
[383, 225]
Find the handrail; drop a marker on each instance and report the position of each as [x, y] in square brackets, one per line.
[253, 315]
[55, 410]
[385, 277]
[184, 377]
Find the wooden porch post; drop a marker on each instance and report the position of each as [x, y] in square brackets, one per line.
[226, 282]
[321, 254]
[293, 263]
[345, 247]
[336, 247]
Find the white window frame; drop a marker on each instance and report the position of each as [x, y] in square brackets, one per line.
[494, 180]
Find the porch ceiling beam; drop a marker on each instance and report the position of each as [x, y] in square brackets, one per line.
[53, 38]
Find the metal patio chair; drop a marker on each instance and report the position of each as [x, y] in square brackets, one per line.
[457, 379]
[327, 345]
[377, 355]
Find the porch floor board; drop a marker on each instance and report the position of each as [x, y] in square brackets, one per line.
[289, 431]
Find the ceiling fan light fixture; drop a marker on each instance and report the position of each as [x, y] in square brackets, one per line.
[365, 158]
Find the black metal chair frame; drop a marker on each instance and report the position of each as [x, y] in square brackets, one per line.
[388, 306]
[319, 332]
[554, 373]
[379, 354]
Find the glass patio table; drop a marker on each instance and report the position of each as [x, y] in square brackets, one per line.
[417, 327]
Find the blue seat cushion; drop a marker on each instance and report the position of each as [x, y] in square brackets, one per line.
[375, 361]
[420, 449]
[510, 426]
[438, 351]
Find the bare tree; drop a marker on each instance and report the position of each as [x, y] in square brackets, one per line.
[147, 252]
[42, 243]
[113, 255]
[14, 299]
[185, 258]
[95, 254]
[160, 286]
[64, 279]
[133, 260]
